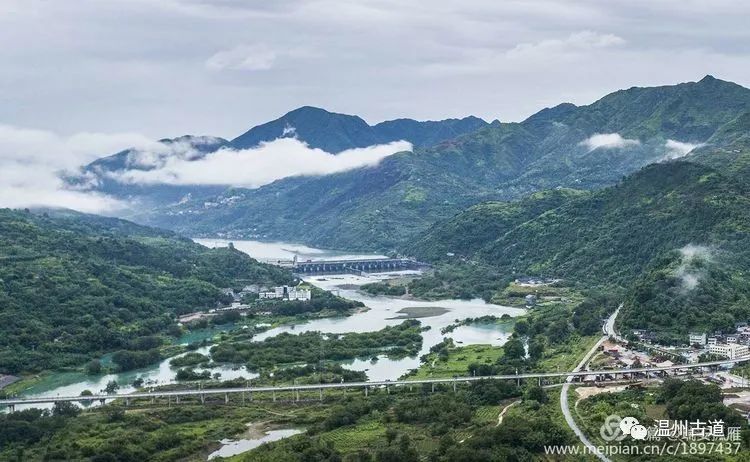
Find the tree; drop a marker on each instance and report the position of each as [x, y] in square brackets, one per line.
[111, 387]
[65, 409]
[536, 347]
[93, 367]
[390, 435]
[513, 349]
[537, 394]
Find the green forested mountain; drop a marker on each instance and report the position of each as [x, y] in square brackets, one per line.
[334, 132]
[675, 237]
[73, 286]
[381, 207]
[316, 127]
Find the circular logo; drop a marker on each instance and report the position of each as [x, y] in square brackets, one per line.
[611, 429]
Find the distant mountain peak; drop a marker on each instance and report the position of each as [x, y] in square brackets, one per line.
[335, 132]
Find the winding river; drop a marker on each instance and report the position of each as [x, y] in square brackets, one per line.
[383, 311]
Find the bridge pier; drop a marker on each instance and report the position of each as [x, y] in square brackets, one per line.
[433, 387]
[321, 394]
[127, 402]
[203, 399]
[296, 390]
[12, 407]
[273, 395]
[366, 388]
[226, 398]
[454, 385]
[177, 399]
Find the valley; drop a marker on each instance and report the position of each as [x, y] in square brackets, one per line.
[535, 236]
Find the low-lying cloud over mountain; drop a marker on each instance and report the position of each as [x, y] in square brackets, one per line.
[608, 141]
[254, 167]
[31, 162]
[677, 149]
[34, 164]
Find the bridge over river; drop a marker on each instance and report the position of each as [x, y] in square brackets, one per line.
[354, 266]
[150, 396]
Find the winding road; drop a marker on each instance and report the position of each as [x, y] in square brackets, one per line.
[608, 330]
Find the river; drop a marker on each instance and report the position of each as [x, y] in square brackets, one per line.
[381, 312]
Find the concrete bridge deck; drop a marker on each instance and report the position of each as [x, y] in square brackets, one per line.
[11, 403]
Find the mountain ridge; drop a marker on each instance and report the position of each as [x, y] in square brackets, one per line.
[381, 207]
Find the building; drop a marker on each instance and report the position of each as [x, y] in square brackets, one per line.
[530, 300]
[697, 339]
[712, 341]
[286, 293]
[731, 339]
[295, 293]
[729, 350]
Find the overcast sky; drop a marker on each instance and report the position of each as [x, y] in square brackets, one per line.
[162, 68]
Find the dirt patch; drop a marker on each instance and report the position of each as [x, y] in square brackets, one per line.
[588, 392]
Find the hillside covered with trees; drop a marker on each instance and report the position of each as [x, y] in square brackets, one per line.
[73, 286]
[672, 238]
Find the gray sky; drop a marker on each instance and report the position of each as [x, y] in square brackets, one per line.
[158, 68]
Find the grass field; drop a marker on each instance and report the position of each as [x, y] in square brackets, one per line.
[458, 361]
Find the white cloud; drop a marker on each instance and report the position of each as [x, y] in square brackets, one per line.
[156, 154]
[575, 42]
[31, 160]
[689, 272]
[608, 141]
[258, 166]
[243, 58]
[676, 149]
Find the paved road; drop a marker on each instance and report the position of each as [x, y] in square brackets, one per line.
[609, 331]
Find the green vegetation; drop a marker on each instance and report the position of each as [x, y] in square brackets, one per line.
[321, 301]
[399, 425]
[558, 333]
[189, 359]
[675, 400]
[384, 288]
[398, 341]
[385, 206]
[488, 319]
[447, 360]
[671, 240]
[73, 287]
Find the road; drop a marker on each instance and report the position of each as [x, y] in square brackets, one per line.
[609, 331]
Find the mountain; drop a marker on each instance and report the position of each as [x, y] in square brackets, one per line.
[382, 207]
[106, 175]
[74, 286]
[316, 127]
[675, 237]
[334, 132]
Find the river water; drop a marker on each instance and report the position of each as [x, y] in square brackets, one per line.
[381, 312]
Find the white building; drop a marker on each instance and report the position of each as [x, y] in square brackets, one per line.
[286, 293]
[712, 341]
[295, 293]
[729, 350]
[697, 339]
